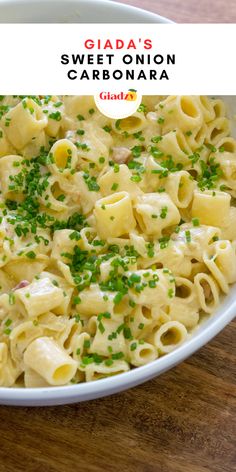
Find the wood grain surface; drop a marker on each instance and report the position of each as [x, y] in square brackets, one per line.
[190, 11]
[183, 421]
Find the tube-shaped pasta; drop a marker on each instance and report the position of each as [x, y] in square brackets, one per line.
[209, 260]
[95, 371]
[92, 301]
[180, 188]
[38, 297]
[52, 196]
[112, 181]
[185, 290]
[154, 212]
[33, 380]
[217, 129]
[197, 137]
[21, 336]
[229, 231]
[24, 122]
[114, 215]
[207, 108]
[63, 157]
[219, 107]
[186, 314]
[141, 354]
[174, 143]
[29, 269]
[9, 371]
[169, 336]
[87, 197]
[226, 259]
[141, 321]
[207, 292]
[103, 339]
[183, 110]
[223, 254]
[10, 167]
[157, 286]
[63, 243]
[212, 208]
[227, 145]
[78, 105]
[54, 109]
[132, 124]
[46, 358]
[5, 147]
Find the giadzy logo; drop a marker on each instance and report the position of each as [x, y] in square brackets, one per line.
[131, 95]
[118, 104]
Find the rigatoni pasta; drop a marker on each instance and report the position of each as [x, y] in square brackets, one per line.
[116, 236]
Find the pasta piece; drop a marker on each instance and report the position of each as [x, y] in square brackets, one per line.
[155, 212]
[141, 354]
[114, 215]
[217, 129]
[143, 319]
[207, 108]
[212, 208]
[180, 188]
[54, 110]
[132, 124]
[34, 147]
[10, 167]
[96, 371]
[33, 380]
[21, 336]
[24, 122]
[38, 297]
[63, 157]
[64, 307]
[196, 139]
[191, 240]
[184, 110]
[184, 314]
[207, 291]
[5, 147]
[104, 342]
[112, 181]
[229, 231]
[151, 288]
[89, 192]
[77, 106]
[51, 362]
[30, 269]
[169, 336]
[174, 143]
[93, 301]
[64, 243]
[9, 372]
[221, 261]
[219, 107]
[6, 282]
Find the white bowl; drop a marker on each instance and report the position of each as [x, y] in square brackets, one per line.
[105, 11]
[74, 11]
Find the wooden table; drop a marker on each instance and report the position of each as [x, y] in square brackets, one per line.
[179, 422]
[190, 11]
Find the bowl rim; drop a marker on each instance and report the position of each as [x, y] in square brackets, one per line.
[44, 396]
[104, 3]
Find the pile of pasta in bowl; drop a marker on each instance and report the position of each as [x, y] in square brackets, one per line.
[117, 237]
